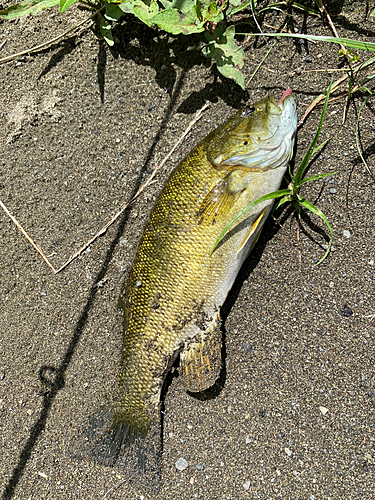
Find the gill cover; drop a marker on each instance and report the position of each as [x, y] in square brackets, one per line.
[260, 137]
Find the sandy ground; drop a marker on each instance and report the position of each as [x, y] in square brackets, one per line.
[82, 128]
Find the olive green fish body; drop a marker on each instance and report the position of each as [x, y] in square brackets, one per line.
[176, 288]
[177, 285]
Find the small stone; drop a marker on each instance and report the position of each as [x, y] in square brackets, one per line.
[346, 311]
[246, 485]
[199, 467]
[247, 440]
[181, 464]
[247, 347]
[138, 284]
[307, 59]
[2, 376]
[323, 410]
[43, 294]
[346, 233]
[192, 480]
[288, 452]
[333, 191]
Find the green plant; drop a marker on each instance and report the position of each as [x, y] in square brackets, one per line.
[173, 16]
[291, 194]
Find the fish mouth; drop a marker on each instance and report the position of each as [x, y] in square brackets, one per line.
[285, 94]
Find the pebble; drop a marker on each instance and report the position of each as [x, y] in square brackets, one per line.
[199, 467]
[323, 410]
[288, 452]
[2, 376]
[181, 464]
[246, 485]
[333, 191]
[346, 311]
[247, 347]
[346, 233]
[248, 440]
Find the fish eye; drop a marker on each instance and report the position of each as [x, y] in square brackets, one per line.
[248, 111]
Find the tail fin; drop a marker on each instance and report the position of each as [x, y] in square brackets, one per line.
[113, 442]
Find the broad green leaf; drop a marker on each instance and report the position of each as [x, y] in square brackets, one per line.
[270, 196]
[145, 11]
[22, 9]
[320, 214]
[226, 54]
[113, 12]
[225, 49]
[184, 6]
[230, 71]
[176, 22]
[106, 30]
[65, 4]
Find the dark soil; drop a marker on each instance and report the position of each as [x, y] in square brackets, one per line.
[82, 127]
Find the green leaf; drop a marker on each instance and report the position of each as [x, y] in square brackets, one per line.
[175, 22]
[184, 6]
[348, 42]
[106, 30]
[65, 4]
[113, 12]
[320, 214]
[23, 9]
[303, 165]
[236, 6]
[281, 201]
[145, 11]
[226, 54]
[321, 145]
[270, 196]
[316, 177]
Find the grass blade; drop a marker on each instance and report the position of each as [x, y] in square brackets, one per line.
[348, 42]
[301, 169]
[270, 196]
[316, 177]
[320, 214]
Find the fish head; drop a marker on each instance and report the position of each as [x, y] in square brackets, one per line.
[258, 137]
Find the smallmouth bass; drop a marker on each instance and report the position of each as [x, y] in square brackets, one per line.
[175, 290]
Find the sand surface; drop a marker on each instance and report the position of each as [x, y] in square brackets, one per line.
[82, 127]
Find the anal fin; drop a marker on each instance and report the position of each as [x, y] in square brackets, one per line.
[201, 361]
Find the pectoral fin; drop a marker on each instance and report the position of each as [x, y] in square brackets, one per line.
[251, 231]
[219, 201]
[201, 361]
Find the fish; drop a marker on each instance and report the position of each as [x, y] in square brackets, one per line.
[177, 285]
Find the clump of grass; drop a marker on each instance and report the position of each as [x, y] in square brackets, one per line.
[291, 194]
